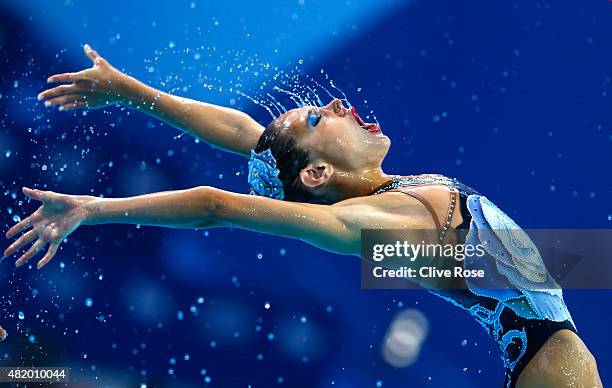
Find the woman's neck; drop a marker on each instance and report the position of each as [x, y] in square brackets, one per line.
[357, 184]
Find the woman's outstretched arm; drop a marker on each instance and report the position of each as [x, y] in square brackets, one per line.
[102, 85]
[335, 228]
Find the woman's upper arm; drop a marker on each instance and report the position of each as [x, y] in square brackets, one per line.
[248, 131]
[335, 228]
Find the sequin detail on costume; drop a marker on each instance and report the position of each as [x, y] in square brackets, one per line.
[263, 175]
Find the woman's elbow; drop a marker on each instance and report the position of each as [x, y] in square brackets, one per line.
[211, 201]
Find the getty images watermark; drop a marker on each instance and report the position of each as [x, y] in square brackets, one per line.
[540, 259]
[410, 253]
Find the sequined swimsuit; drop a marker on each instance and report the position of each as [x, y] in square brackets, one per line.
[520, 318]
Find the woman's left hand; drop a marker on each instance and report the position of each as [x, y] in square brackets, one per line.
[98, 86]
[57, 217]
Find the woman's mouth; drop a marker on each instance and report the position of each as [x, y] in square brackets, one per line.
[370, 127]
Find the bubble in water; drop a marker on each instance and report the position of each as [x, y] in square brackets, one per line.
[21, 315]
[402, 343]
[88, 302]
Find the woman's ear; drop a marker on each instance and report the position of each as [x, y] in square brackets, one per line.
[316, 174]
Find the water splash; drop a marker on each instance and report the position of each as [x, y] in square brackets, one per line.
[275, 88]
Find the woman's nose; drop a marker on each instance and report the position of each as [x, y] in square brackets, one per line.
[335, 106]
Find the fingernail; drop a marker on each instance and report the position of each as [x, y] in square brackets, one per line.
[61, 108]
[39, 97]
[50, 79]
[47, 103]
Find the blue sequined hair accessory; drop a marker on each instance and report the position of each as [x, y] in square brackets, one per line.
[263, 175]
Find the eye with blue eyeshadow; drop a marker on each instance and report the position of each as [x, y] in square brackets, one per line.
[314, 116]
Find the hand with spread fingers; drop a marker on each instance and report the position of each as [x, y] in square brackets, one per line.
[57, 217]
[95, 87]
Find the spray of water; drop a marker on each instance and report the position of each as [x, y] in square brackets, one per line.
[246, 78]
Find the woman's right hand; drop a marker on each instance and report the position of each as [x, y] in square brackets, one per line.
[95, 87]
[57, 217]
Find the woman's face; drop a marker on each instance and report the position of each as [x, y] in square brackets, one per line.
[333, 133]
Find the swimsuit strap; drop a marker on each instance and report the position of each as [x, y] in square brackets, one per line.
[399, 183]
[425, 202]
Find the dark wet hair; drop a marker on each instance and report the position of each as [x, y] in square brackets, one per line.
[291, 158]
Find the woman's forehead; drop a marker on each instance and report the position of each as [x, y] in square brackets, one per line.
[293, 117]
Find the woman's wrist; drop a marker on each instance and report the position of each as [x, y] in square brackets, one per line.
[91, 211]
[136, 94]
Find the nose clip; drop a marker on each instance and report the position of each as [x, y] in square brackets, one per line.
[337, 105]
